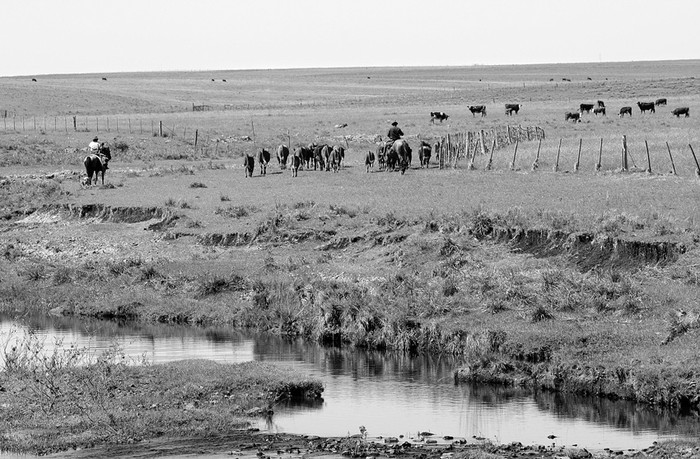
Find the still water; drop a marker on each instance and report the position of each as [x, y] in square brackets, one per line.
[389, 394]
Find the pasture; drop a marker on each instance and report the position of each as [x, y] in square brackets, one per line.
[525, 273]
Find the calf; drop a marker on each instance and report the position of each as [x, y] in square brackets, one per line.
[681, 111]
[600, 110]
[440, 116]
[512, 108]
[478, 109]
[625, 111]
[585, 108]
[248, 164]
[644, 106]
[295, 162]
[369, 160]
[660, 102]
[575, 116]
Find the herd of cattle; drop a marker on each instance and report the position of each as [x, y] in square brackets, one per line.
[388, 156]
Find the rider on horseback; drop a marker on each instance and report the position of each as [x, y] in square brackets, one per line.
[100, 150]
[393, 135]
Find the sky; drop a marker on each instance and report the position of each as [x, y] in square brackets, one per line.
[104, 36]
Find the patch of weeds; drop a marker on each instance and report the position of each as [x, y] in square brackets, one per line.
[170, 202]
[121, 146]
[449, 287]
[182, 204]
[35, 273]
[303, 204]
[540, 313]
[325, 257]
[149, 272]
[62, 275]
[197, 185]
[236, 211]
[11, 252]
[481, 223]
[215, 284]
[342, 210]
[194, 224]
[224, 198]
[119, 267]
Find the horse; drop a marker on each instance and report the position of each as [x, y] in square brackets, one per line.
[399, 153]
[369, 160]
[424, 153]
[263, 159]
[341, 154]
[95, 164]
[381, 156]
[295, 162]
[319, 160]
[334, 160]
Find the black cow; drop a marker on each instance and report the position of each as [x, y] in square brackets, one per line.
[104, 79]
[575, 116]
[585, 108]
[625, 111]
[512, 108]
[598, 110]
[282, 155]
[660, 102]
[600, 104]
[566, 79]
[297, 159]
[96, 165]
[424, 153]
[644, 106]
[681, 111]
[307, 156]
[478, 109]
[248, 164]
[263, 159]
[319, 159]
[369, 160]
[341, 154]
[440, 116]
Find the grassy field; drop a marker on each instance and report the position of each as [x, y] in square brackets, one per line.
[578, 281]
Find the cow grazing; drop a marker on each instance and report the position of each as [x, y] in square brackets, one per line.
[224, 81]
[248, 164]
[599, 110]
[369, 160]
[585, 108]
[341, 154]
[625, 111]
[512, 108]
[263, 159]
[677, 112]
[306, 155]
[34, 80]
[282, 155]
[424, 153]
[566, 79]
[319, 159]
[575, 116]
[334, 160]
[644, 106]
[660, 102]
[478, 109]
[295, 161]
[95, 165]
[104, 79]
[440, 116]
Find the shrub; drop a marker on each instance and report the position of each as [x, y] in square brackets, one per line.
[121, 146]
[197, 185]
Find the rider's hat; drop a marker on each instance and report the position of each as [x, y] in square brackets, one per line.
[395, 123]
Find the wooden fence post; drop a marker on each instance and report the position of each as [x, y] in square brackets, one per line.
[160, 129]
[673, 165]
[515, 152]
[97, 124]
[556, 164]
[598, 165]
[578, 158]
[648, 171]
[196, 138]
[624, 165]
[697, 165]
[536, 162]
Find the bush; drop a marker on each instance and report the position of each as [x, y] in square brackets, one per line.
[197, 185]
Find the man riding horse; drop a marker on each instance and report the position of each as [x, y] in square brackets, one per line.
[394, 134]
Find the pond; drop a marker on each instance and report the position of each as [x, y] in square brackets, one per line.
[390, 394]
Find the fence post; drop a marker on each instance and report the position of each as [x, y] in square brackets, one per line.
[648, 171]
[556, 164]
[598, 165]
[160, 129]
[108, 124]
[515, 152]
[129, 120]
[624, 166]
[536, 163]
[97, 123]
[196, 138]
[578, 158]
[697, 165]
[673, 165]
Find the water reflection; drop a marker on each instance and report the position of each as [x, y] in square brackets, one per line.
[390, 394]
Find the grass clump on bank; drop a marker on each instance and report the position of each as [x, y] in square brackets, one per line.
[72, 398]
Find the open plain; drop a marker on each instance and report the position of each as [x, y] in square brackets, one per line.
[582, 280]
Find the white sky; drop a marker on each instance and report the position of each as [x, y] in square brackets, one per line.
[86, 36]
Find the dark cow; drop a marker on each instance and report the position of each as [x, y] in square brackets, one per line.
[96, 165]
[625, 111]
[326, 154]
[334, 159]
[512, 108]
[295, 161]
[34, 80]
[566, 79]
[307, 156]
[478, 109]
[440, 116]
[369, 160]
[599, 110]
[424, 153]
[263, 159]
[576, 116]
[644, 106]
[248, 164]
[681, 111]
[282, 155]
[319, 160]
[104, 79]
[585, 108]
[341, 154]
[600, 104]
[660, 102]
[399, 153]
